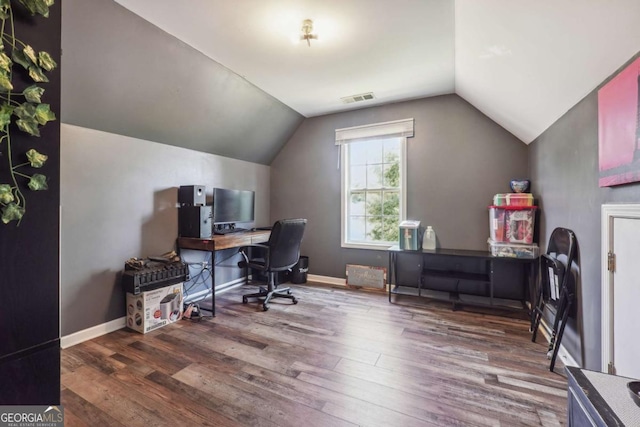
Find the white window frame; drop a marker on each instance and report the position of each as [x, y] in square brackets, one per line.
[402, 129]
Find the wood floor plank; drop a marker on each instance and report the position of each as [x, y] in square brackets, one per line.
[350, 388]
[79, 412]
[339, 357]
[265, 403]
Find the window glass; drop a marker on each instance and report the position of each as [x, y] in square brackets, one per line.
[373, 191]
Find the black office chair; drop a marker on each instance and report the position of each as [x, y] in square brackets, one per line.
[280, 253]
[557, 288]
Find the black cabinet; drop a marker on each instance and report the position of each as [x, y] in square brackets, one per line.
[29, 252]
[32, 376]
[460, 274]
[599, 399]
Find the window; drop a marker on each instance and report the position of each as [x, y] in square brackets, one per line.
[373, 164]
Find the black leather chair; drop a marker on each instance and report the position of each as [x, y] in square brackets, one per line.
[557, 287]
[280, 253]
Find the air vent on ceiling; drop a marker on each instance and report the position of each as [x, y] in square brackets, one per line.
[357, 98]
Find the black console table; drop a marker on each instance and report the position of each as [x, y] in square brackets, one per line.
[598, 399]
[461, 275]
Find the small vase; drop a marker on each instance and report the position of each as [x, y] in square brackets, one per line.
[520, 185]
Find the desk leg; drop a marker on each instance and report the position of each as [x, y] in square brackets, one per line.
[534, 268]
[212, 309]
[390, 273]
[488, 269]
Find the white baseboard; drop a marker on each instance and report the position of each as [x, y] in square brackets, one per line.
[93, 332]
[563, 354]
[113, 325]
[327, 279]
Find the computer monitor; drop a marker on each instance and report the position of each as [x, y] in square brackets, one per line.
[231, 206]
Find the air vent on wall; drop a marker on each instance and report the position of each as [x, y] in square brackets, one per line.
[357, 98]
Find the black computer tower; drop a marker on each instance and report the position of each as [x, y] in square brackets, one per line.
[195, 221]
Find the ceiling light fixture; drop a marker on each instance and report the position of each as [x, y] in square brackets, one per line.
[307, 31]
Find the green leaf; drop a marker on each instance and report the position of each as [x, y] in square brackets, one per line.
[5, 62]
[5, 5]
[25, 111]
[46, 61]
[38, 182]
[5, 83]
[42, 8]
[6, 195]
[33, 94]
[30, 5]
[5, 115]
[19, 58]
[37, 160]
[38, 6]
[12, 212]
[36, 74]
[29, 126]
[30, 53]
[44, 114]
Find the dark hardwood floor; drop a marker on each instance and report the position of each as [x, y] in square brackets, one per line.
[339, 357]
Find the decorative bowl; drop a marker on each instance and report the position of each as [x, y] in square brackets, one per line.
[634, 391]
[519, 185]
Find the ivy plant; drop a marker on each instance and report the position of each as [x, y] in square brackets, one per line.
[23, 109]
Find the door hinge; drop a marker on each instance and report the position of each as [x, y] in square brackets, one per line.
[611, 369]
[611, 262]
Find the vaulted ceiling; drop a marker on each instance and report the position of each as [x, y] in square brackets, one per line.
[523, 64]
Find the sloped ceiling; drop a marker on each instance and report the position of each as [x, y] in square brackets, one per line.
[523, 64]
[223, 76]
[123, 75]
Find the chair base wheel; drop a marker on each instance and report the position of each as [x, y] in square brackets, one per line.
[267, 296]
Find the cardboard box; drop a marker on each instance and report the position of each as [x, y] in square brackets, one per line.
[410, 235]
[151, 310]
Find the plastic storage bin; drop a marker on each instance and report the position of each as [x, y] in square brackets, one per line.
[513, 250]
[513, 199]
[500, 199]
[519, 199]
[409, 235]
[512, 224]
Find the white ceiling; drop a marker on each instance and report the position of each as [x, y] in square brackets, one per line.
[523, 64]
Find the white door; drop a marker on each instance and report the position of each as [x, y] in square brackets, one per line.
[626, 297]
[621, 289]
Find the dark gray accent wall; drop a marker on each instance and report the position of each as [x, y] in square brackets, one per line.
[564, 170]
[125, 76]
[119, 197]
[457, 161]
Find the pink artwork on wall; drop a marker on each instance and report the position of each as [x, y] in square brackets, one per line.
[619, 128]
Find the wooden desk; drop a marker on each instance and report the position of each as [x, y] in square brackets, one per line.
[219, 242]
[224, 241]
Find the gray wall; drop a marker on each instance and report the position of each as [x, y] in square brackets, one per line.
[564, 170]
[123, 75]
[457, 161]
[118, 197]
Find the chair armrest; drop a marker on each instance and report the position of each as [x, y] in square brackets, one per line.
[248, 262]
